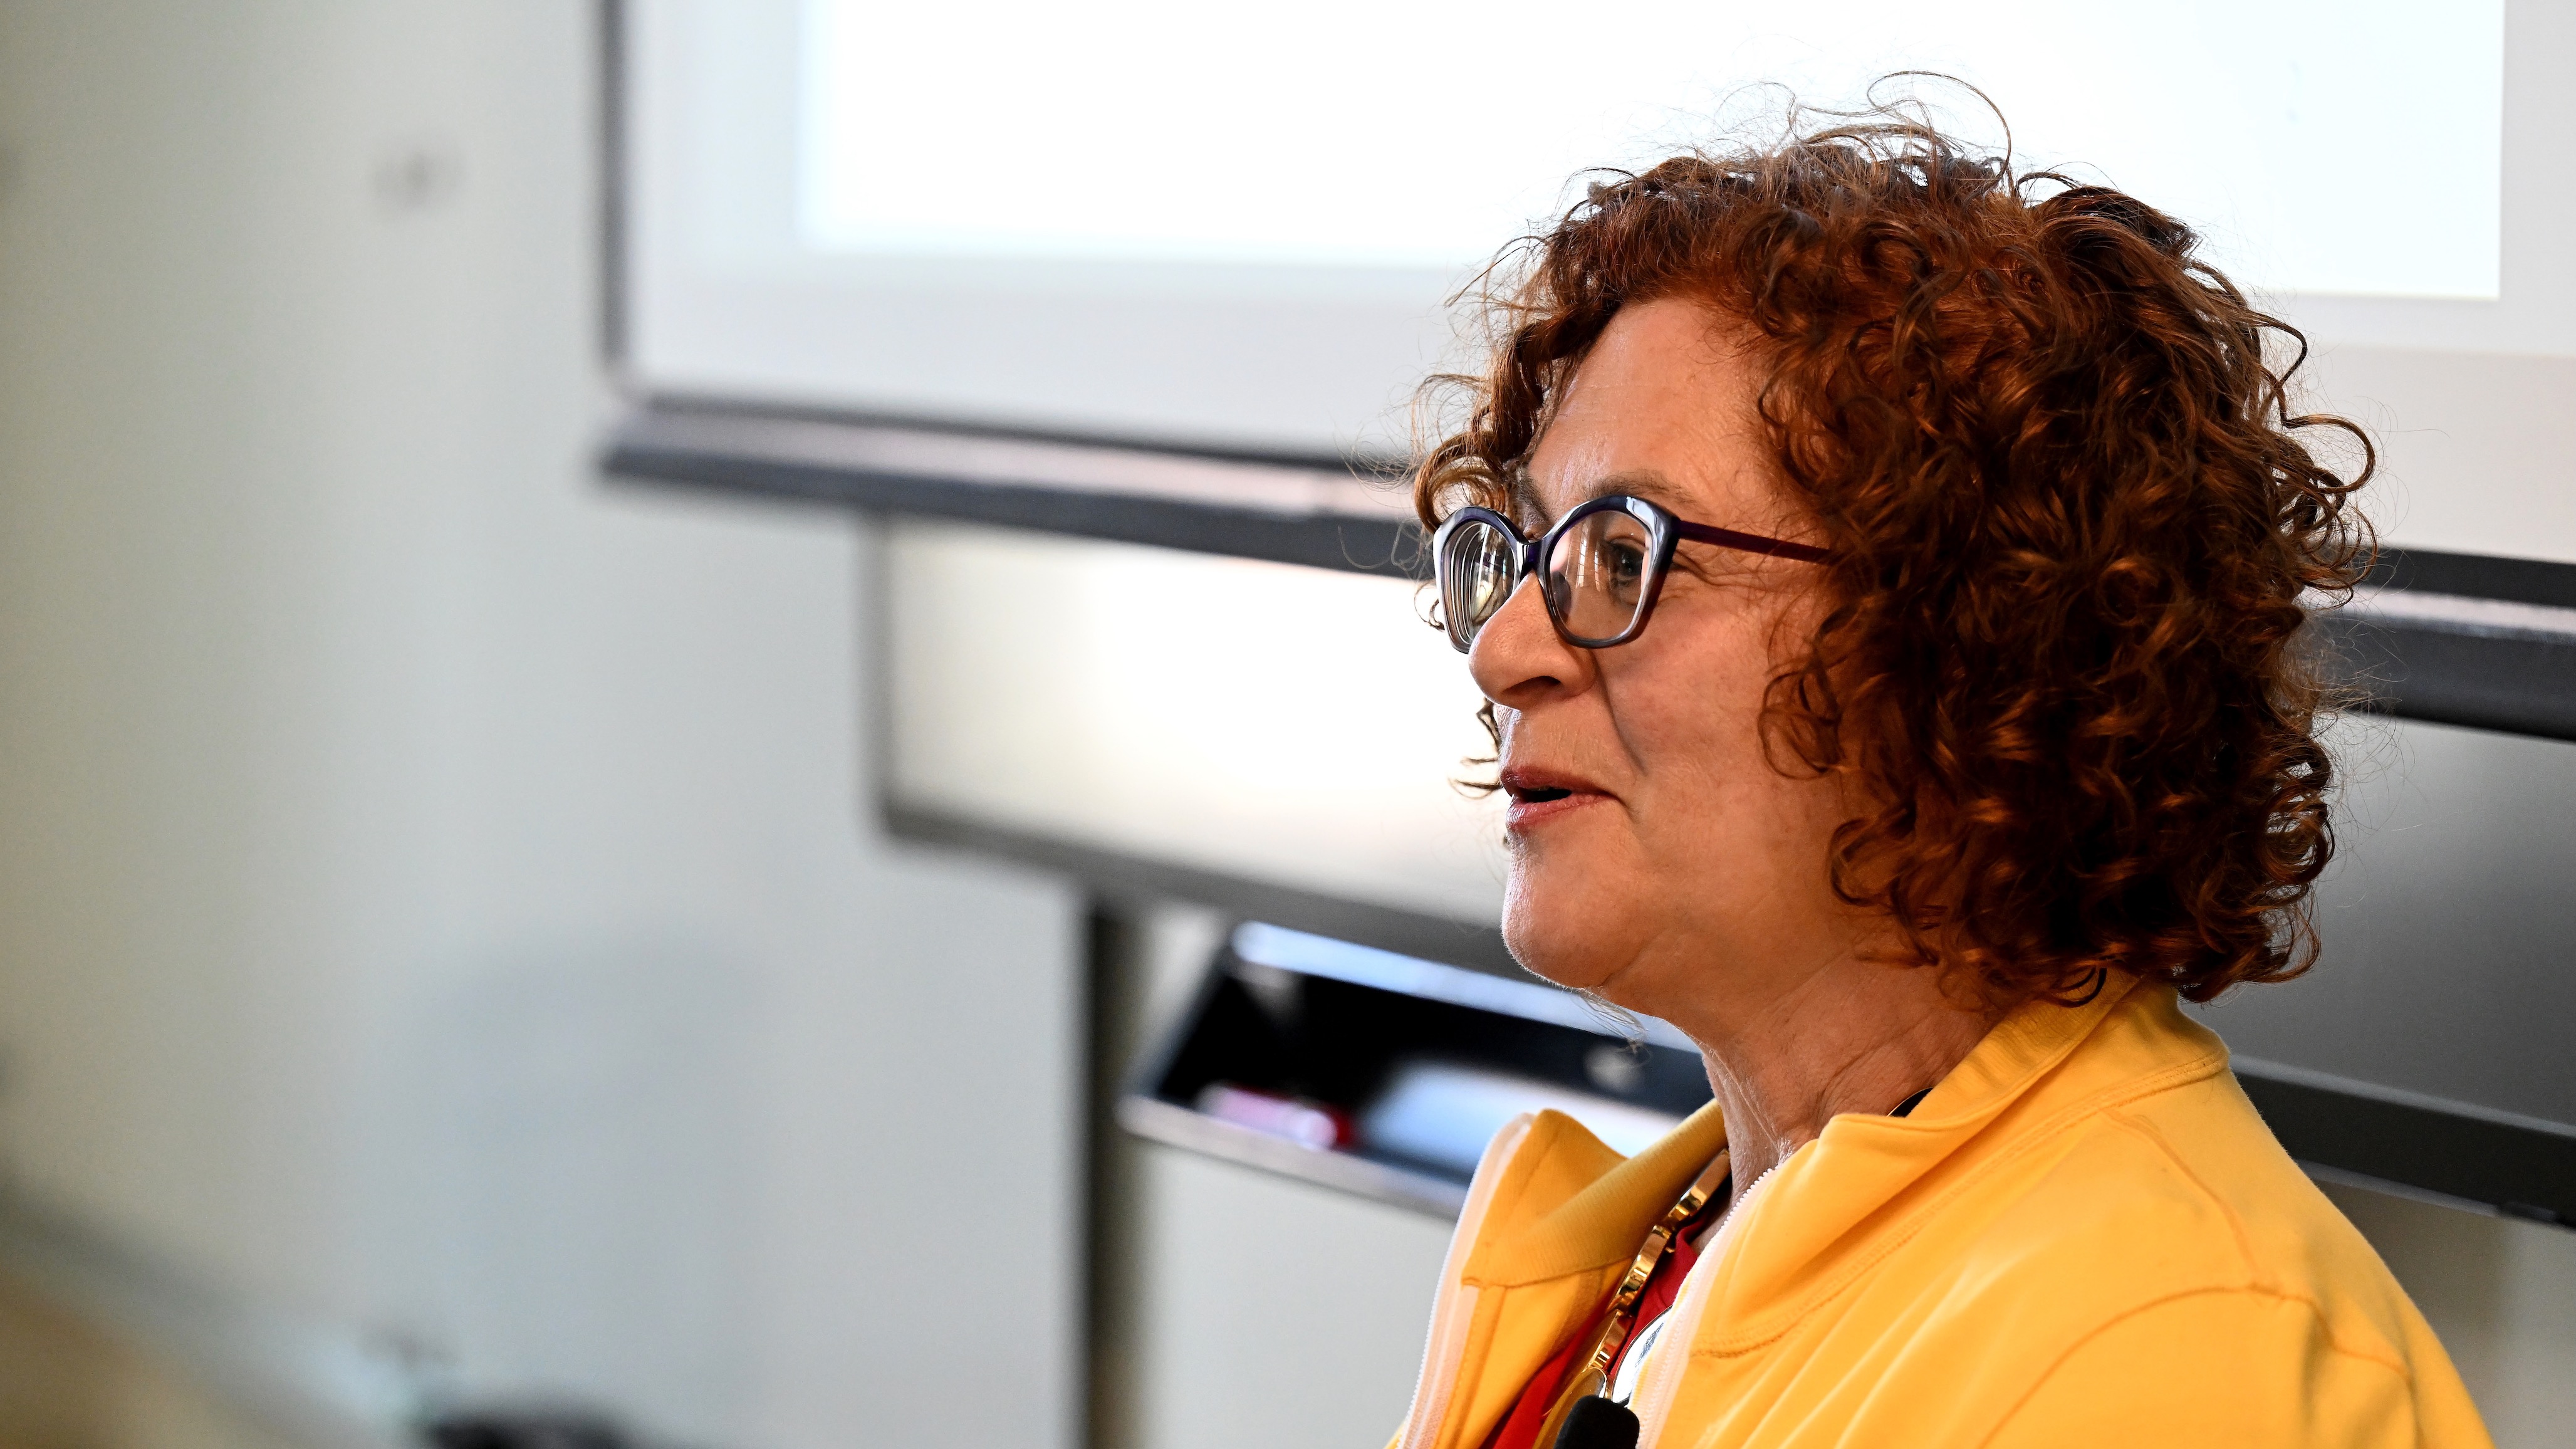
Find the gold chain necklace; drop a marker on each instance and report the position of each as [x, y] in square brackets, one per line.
[1594, 1377]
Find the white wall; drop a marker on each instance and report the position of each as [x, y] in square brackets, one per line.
[433, 889]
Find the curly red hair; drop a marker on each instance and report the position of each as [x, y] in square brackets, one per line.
[2073, 517]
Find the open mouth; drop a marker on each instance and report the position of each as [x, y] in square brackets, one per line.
[1539, 795]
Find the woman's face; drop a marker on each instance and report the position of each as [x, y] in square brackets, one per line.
[1657, 857]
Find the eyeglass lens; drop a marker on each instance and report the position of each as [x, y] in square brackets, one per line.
[1596, 574]
[1475, 577]
[1595, 577]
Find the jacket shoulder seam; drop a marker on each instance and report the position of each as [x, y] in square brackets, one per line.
[2255, 1269]
[2259, 1272]
[2405, 1373]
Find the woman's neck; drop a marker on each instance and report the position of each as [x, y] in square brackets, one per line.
[1850, 1036]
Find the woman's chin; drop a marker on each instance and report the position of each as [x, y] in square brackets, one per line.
[1557, 935]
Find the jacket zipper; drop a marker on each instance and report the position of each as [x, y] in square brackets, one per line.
[1661, 1379]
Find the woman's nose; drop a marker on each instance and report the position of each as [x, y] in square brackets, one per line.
[1518, 655]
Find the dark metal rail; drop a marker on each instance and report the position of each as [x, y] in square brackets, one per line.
[2448, 638]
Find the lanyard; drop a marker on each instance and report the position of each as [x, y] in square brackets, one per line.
[1593, 1378]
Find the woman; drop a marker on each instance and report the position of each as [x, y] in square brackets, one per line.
[1886, 575]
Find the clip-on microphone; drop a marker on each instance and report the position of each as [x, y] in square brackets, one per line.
[1596, 1423]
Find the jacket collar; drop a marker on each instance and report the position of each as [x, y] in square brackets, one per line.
[1866, 1184]
[1576, 1205]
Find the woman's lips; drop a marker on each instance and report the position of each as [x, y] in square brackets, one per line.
[1539, 796]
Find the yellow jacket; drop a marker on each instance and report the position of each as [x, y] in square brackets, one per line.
[2083, 1237]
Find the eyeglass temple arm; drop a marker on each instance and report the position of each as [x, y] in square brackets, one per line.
[1751, 542]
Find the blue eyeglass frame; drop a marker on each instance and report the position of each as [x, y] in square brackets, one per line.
[1664, 533]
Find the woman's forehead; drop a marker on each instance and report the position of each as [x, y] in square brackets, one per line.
[1662, 407]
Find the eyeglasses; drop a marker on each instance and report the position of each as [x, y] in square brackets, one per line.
[1599, 568]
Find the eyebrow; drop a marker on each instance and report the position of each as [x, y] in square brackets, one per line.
[1643, 483]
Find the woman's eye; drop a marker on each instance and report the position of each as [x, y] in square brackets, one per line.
[1624, 565]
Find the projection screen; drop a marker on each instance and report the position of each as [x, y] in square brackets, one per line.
[1235, 227]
